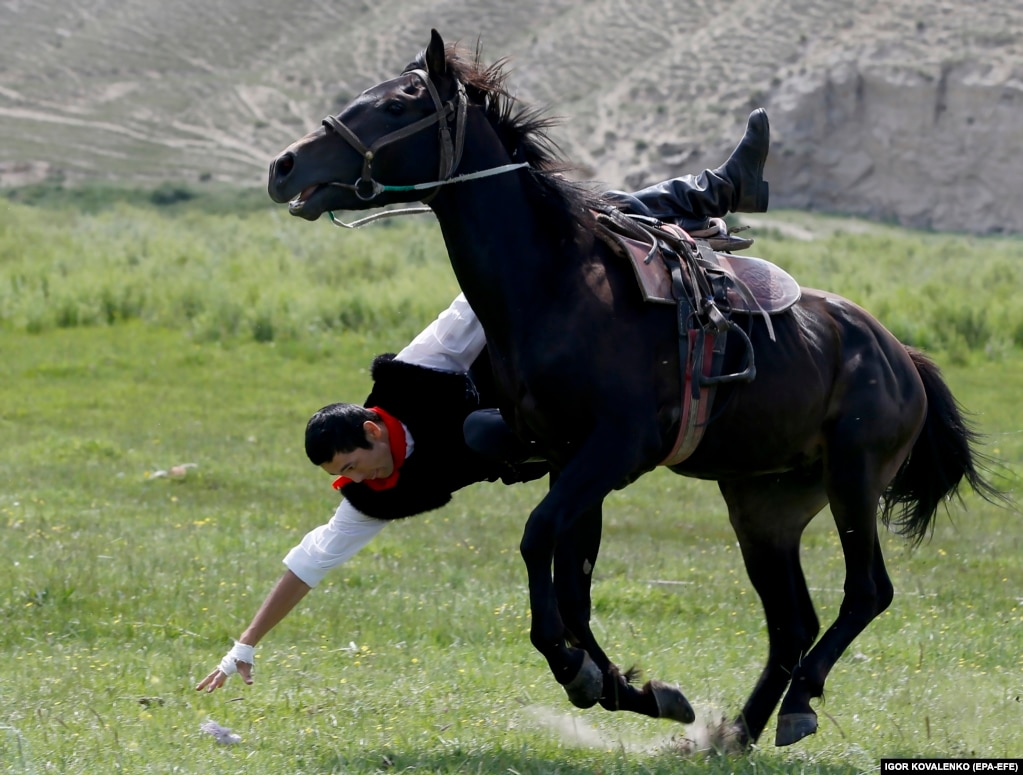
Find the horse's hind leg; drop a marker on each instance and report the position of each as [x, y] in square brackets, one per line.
[854, 488]
[868, 592]
[769, 515]
[574, 560]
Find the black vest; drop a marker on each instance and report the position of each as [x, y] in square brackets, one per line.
[433, 405]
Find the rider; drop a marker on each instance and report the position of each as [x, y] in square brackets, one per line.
[404, 451]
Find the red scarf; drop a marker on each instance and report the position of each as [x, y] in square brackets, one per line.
[396, 438]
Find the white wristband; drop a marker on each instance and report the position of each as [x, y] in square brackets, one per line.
[240, 652]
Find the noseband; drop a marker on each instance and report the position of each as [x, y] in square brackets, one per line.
[366, 188]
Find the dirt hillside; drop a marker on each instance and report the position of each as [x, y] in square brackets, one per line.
[903, 110]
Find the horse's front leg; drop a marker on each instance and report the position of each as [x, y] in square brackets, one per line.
[575, 555]
[574, 560]
[566, 523]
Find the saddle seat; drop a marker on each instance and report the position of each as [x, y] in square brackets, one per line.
[754, 285]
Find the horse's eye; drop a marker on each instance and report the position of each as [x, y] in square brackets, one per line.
[395, 108]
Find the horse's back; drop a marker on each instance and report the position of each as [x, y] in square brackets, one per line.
[830, 365]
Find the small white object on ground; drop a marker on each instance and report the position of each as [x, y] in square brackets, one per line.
[174, 472]
[222, 735]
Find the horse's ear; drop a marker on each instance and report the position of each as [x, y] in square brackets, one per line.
[436, 64]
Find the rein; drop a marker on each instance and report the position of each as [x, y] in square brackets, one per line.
[379, 189]
[367, 188]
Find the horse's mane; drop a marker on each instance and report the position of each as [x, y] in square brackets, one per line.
[524, 132]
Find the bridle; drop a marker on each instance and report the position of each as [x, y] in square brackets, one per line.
[366, 188]
[453, 111]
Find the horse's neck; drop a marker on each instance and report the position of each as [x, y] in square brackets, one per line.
[495, 248]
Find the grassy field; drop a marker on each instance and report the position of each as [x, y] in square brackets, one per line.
[120, 589]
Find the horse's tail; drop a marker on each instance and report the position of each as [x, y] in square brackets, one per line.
[941, 458]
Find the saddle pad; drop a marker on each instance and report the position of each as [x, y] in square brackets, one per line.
[773, 289]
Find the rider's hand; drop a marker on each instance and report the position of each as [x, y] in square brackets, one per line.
[217, 678]
[238, 660]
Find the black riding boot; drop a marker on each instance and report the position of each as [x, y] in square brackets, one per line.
[736, 186]
[488, 435]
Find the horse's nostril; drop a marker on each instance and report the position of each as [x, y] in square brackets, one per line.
[280, 173]
[284, 165]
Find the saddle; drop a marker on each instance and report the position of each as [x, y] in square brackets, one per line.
[710, 289]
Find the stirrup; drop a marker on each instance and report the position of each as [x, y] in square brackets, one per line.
[717, 236]
[727, 243]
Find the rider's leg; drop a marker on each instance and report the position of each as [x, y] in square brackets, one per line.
[691, 200]
[487, 434]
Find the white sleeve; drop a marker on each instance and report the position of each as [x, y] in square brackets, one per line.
[332, 544]
[450, 343]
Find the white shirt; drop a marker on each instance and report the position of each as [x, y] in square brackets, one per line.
[450, 343]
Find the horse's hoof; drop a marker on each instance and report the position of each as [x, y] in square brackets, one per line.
[671, 703]
[585, 689]
[793, 727]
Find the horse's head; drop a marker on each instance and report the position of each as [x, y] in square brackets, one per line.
[397, 134]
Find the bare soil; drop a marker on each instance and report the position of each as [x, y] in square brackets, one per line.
[909, 111]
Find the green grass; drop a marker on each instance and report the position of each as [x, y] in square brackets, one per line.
[956, 294]
[222, 267]
[246, 275]
[120, 590]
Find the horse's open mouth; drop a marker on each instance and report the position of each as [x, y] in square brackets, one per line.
[303, 196]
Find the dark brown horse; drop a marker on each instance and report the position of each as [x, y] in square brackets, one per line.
[840, 412]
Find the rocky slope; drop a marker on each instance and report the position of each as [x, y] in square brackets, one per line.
[905, 110]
